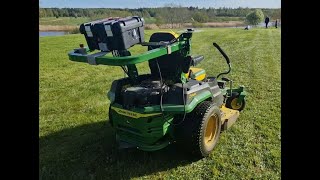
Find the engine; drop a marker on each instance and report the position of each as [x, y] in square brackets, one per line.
[147, 93]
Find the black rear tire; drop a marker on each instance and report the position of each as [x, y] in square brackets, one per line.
[200, 131]
[110, 116]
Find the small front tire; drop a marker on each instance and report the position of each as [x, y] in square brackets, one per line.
[232, 102]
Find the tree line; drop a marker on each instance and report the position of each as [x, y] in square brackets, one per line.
[168, 14]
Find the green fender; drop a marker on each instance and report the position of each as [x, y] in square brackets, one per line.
[242, 96]
[199, 98]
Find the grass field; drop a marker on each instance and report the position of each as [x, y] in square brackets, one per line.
[76, 142]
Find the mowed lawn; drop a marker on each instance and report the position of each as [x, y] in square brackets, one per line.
[76, 141]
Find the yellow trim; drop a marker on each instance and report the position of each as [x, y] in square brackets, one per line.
[228, 113]
[211, 130]
[174, 34]
[235, 105]
[171, 32]
[201, 77]
[131, 113]
[195, 70]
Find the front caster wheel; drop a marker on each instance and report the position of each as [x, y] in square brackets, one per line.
[232, 102]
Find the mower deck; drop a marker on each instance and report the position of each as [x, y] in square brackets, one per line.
[228, 117]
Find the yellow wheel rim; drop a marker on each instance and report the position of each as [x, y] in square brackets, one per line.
[235, 105]
[211, 130]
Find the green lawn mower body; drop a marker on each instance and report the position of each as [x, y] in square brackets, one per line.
[151, 111]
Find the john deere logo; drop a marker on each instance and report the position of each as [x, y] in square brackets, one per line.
[127, 113]
[132, 114]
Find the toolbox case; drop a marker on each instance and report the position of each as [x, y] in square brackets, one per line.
[120, 34]
[113, 34]
[87, 29]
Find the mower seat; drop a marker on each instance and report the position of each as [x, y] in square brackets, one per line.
[196, 73]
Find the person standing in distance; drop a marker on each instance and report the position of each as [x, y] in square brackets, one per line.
[267, 21]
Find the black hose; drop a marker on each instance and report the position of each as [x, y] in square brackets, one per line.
[161, 82]
[222, 52]
[229, 65]
[184, 109]
[161, 96]
[225, 56]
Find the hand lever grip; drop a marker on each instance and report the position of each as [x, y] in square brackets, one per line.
[196, 60]
[222, 52]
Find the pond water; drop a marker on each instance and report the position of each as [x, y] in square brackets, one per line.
[52, 33]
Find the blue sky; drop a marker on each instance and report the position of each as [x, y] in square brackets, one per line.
[159, 3]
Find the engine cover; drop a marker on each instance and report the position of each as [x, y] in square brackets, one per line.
[145, 94]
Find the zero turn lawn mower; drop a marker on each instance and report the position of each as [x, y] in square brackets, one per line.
[175, 102]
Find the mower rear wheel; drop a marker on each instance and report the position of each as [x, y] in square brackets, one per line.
[201, 130]
[232, 102]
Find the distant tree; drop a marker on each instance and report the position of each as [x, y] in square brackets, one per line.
[159, 21]
[65, 12]
[145, 14]
[211, 13]
[42, 13]
[255, 17]
[170, 13]
[200, 17]
[196, 24]
[74, 14]
[152, 12]
[55, 12]
[49, 12]
[276, 14]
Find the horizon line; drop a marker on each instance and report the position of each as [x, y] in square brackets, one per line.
[163, 7]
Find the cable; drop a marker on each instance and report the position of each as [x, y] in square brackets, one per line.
[229, 65]
[161, 92]
[184, 109]
[177, 38]
[161, 96]
[116, 53]
[125, 70]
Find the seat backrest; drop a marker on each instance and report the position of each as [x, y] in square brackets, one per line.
[170, 64]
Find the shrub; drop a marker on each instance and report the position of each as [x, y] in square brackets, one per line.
[196, 24]
[75, 31]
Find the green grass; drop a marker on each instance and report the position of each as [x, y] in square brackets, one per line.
[150, 20]
[76, 142]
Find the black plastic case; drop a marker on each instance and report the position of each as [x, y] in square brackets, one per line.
[119, 34]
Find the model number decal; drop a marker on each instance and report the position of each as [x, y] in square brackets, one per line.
[131, 113]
